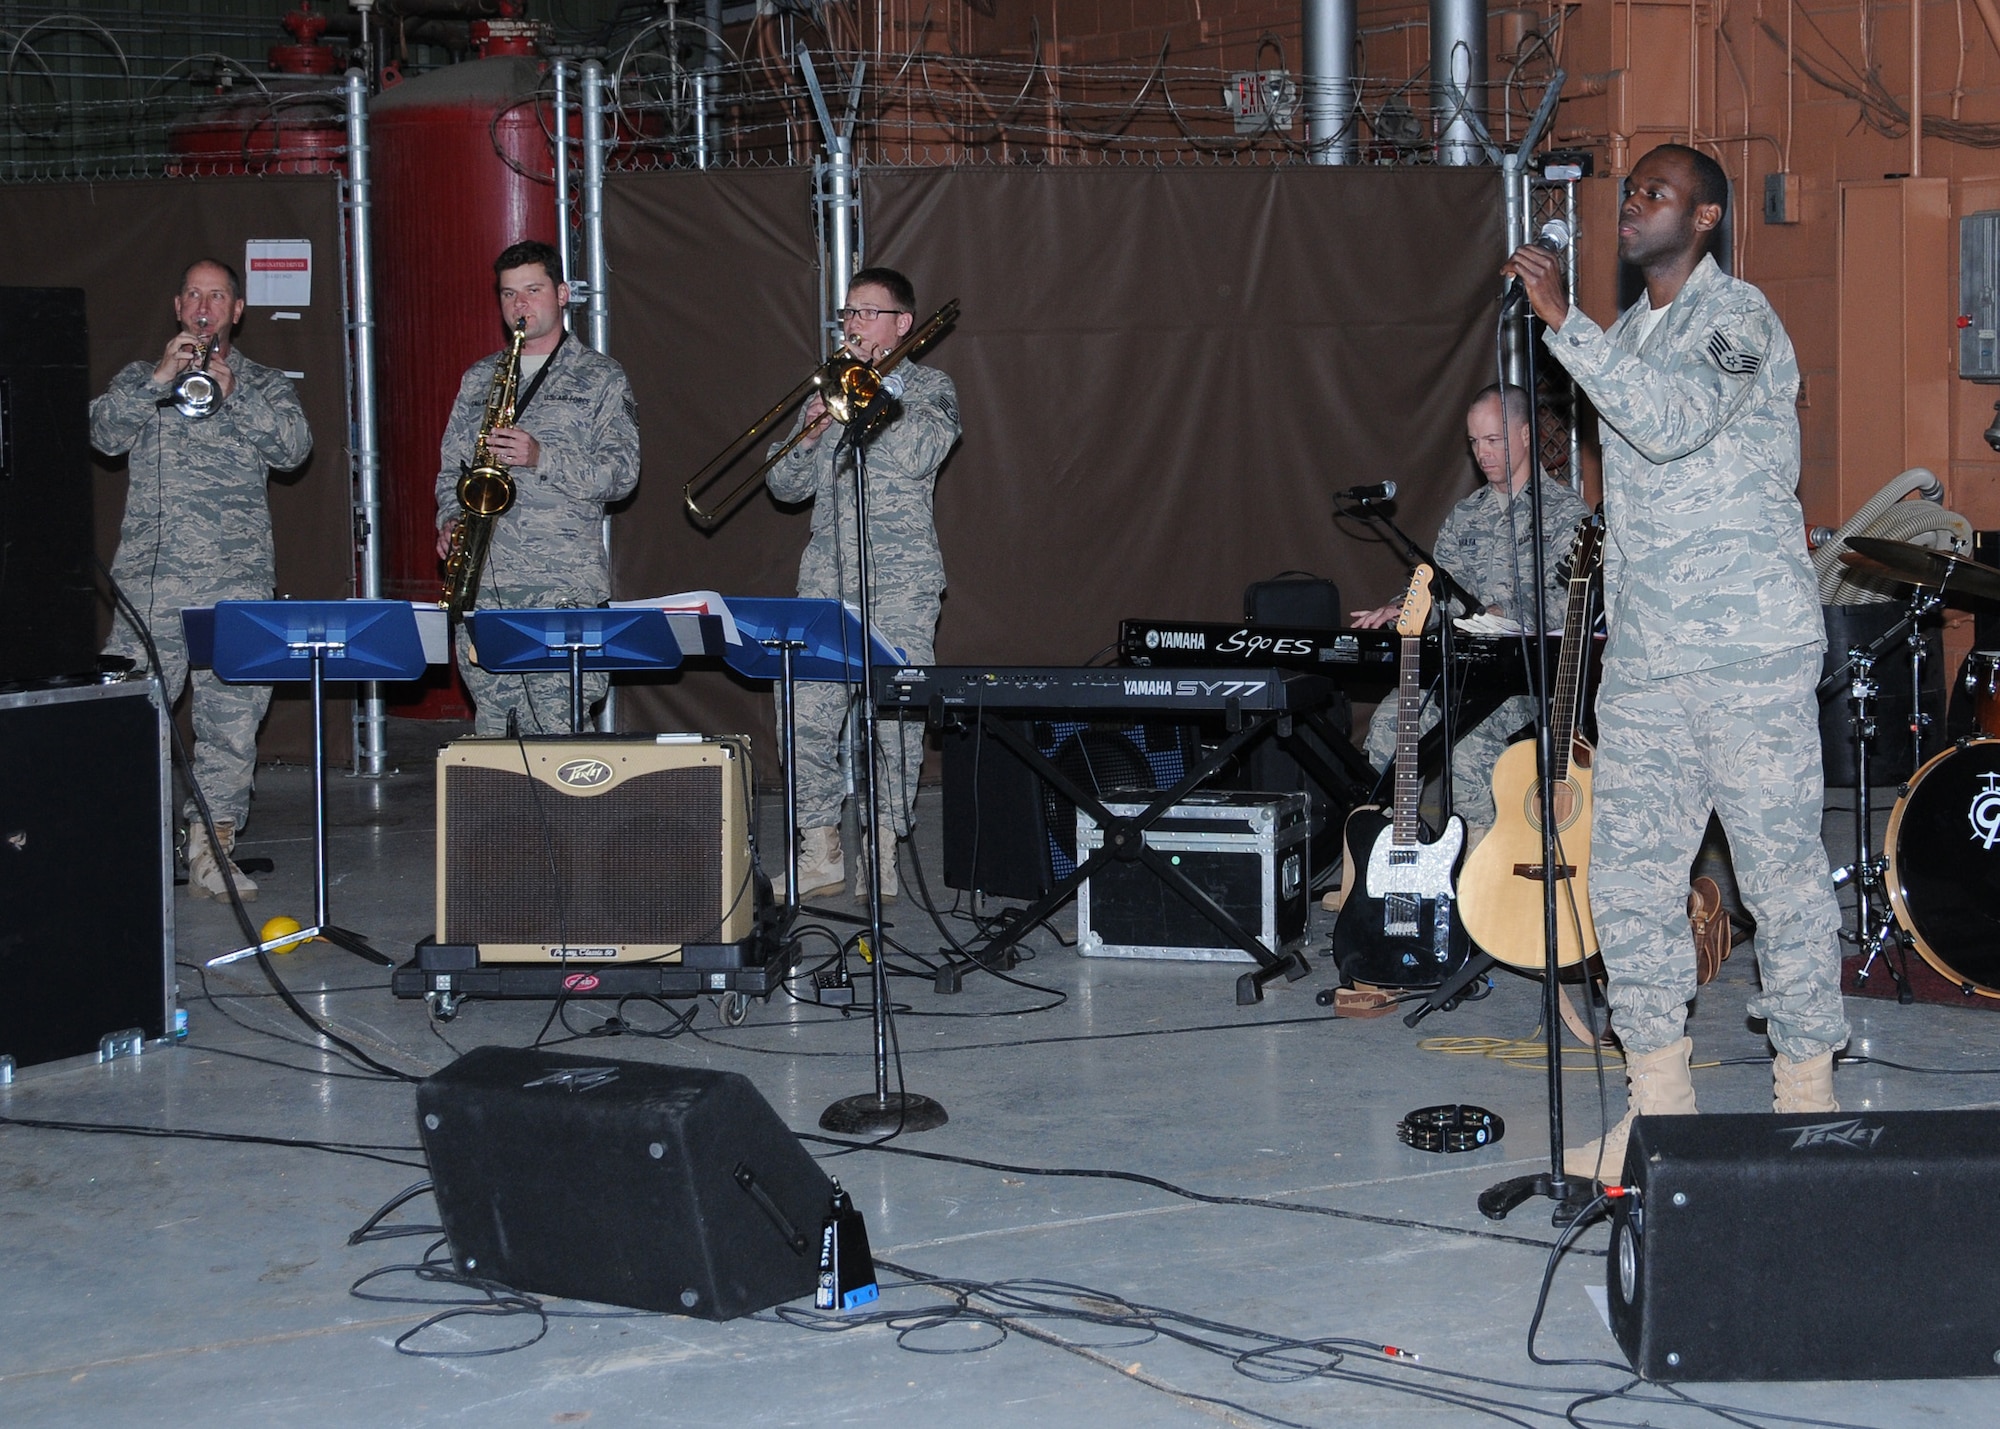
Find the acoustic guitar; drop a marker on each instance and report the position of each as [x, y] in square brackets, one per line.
[1500, 889]
[1398, 926]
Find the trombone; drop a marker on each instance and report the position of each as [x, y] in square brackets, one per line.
[847, 385]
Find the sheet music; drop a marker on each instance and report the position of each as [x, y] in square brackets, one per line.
[680, 611]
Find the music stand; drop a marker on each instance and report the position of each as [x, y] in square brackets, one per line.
[789, 639]
[258, 642]
[576, 639]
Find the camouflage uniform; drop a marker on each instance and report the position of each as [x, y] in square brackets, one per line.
[1713, 653]
[197, 529]
[1486, 544]
[548, 549]
[906, 585]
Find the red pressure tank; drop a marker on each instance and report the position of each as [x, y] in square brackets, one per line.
[293, 122]
[453, 154]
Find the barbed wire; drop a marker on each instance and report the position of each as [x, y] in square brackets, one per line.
[921, 108]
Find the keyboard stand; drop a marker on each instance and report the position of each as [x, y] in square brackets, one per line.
[1126, 838]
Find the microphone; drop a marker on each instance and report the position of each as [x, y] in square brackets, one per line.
[1554, 236]
[1368, 495]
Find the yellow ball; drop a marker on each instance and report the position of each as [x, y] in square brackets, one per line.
[277, 928]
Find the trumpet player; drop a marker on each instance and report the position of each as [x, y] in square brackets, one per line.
[197, 528]
[906, 570]
[573, 446]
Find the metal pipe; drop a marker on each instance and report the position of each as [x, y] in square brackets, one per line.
[1514, 200]
[371, 734]
[1916, 89]
[593, 247]
[1329, 81]
[701, 155]
[593, 200]
[559, 71]
[839, 228]
[1458, 62]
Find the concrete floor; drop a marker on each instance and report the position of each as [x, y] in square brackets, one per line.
[184, 1280]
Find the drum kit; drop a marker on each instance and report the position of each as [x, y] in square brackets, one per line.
[1936, 884]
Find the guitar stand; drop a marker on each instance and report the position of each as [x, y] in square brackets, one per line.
[1451, 992]
[1125, 838]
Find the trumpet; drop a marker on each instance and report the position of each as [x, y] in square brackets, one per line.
[194, 389]
[847, 386]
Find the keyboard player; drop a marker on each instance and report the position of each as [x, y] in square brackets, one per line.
[1485, 543]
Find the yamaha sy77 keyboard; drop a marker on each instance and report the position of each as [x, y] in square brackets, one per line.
[972, 688]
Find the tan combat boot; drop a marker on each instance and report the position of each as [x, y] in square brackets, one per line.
[204, 870]
[1803, 1086]
[1659, 1086]
[820, 864]
[889, 885]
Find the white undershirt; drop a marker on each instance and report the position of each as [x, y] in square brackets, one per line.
[1647, 321]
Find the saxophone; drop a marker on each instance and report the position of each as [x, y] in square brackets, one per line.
[485, 488]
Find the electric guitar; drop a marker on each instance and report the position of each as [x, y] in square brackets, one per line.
[1500, 891]
[1399, 924]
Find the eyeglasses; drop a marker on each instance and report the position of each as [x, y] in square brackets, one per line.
[867, 315]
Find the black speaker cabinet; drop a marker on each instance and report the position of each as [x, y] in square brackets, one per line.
[48, 614]
[1010, 834]
[1839, 1246]
[612, 849]
[86, 870]
[627, 1183]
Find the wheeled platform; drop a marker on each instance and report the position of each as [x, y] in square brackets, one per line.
[444, 974]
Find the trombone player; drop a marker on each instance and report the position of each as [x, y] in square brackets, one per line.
[905, 576]
[572, 447]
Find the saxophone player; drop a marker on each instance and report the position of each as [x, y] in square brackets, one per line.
[572, 448]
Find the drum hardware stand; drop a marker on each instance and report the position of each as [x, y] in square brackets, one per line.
[1875, 930]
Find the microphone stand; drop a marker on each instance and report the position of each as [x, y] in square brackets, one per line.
[881, 1112]
[1445, 588]
[1570, 1193]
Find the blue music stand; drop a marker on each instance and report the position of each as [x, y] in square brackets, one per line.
[510, 642]
[789, 639]
[263, 642]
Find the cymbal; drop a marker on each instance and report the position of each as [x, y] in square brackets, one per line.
[1921, 566]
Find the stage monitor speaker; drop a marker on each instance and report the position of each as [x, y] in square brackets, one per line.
[86, 869]
[48, 601]
[613, 849]
[664, 1188]
[1012, 835]
[1827, 1246]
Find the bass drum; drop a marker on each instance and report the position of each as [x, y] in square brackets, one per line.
[1944, 864]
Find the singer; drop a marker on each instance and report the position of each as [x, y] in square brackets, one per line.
[905, 575]
[1485, 543]
[1714, 646]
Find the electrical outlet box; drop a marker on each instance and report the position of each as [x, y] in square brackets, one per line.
[1979, 297]
[1781, 198]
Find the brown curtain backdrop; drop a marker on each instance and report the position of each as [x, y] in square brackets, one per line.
[1164, 376]
[126, 244]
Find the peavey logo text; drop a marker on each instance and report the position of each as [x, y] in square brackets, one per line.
[584, 773]
[1191, 689]
[1833, 1133]
[576, 1079]
[562, 952]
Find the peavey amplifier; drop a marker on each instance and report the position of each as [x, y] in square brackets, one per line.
[595, 849]
[1836, 1245]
